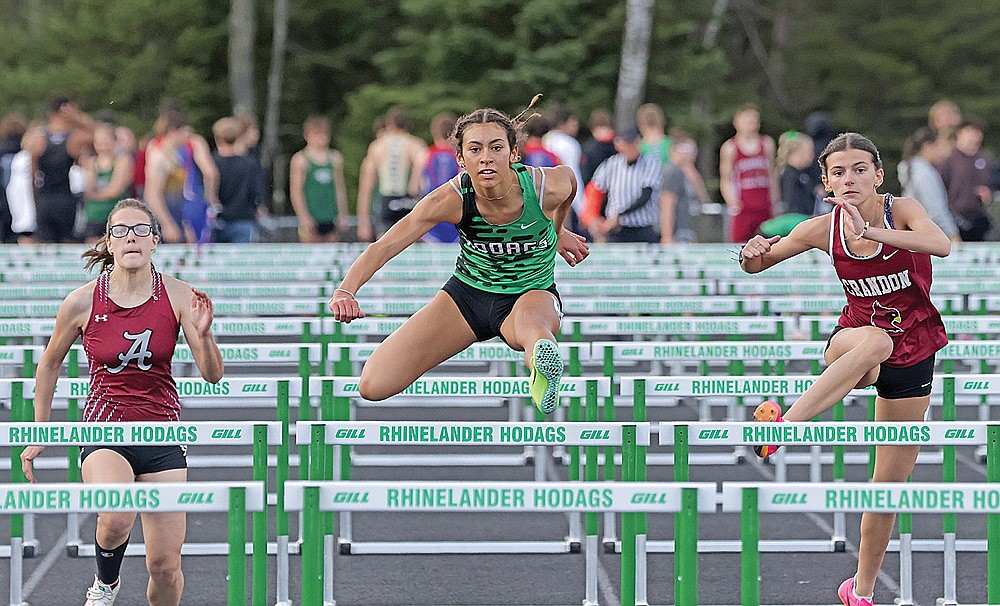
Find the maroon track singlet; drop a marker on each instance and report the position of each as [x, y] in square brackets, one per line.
[889, 290]
[130, 351]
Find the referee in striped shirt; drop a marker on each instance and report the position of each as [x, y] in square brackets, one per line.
[630, 183]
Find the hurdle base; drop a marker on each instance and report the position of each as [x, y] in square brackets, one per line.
[436, 460]
[734, 546]
[575, 547]
[28, 550]
[86, 550]
[452, 547]
[806, 546]
[610, 546]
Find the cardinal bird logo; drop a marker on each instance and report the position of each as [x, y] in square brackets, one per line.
[886, 318]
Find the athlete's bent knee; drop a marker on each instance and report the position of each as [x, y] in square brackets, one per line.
[876, 346]
[373, 390]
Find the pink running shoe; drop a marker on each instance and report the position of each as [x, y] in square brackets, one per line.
[767, 412]
[849, 598]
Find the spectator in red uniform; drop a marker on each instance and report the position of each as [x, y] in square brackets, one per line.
[747, 177]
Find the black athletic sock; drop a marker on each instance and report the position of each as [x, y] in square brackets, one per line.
[109, 562]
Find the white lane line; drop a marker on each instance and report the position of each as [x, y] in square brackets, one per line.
[45, 565]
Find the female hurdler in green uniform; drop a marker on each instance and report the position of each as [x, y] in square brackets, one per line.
[510, 220]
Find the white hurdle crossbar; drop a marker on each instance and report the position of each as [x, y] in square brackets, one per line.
[141, 497]
[315, 497]
[465, 386]
[751, 499]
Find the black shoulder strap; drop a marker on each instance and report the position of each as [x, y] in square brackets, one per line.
[469, 209]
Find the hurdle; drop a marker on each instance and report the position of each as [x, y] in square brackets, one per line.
[947, 434]
[235, 498]
[316, 498]
[342, 389]
[752, 499]
[591, 435]
[251, 391]
[639, 387]
[348, 357]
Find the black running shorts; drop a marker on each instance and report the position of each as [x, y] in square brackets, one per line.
[485, 311]
[145, 459]
[898, 382]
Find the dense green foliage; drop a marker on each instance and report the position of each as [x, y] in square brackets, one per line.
[876, 67]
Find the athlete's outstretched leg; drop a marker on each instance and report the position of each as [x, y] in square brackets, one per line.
[854, 359]
[432, 335]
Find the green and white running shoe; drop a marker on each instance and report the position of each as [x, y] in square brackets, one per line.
[546, 373]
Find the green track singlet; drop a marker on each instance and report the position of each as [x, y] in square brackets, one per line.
[318, 190]
[511, 258]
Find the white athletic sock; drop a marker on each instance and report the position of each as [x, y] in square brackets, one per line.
[860, 597]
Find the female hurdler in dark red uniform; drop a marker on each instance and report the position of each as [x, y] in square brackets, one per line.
[129, 319]
[889, 330]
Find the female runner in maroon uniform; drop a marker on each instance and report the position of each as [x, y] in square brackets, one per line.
[129, 318]
[889, 331]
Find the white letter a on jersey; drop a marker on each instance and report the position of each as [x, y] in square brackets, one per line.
[138, 352]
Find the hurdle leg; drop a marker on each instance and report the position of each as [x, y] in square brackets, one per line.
[950, 586]
[30, 544]
[905, 560]
[281, 516]
[780, 467]
[839, 539]
[328, 547]
[590, 553]
[16, 570]
[72, 534]
[949, 474]
[282, 572]
[749, 553]
[342, 410]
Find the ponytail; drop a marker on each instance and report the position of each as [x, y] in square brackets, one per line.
[98, 255]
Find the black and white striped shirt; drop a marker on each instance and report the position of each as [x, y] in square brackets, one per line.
[624, 182]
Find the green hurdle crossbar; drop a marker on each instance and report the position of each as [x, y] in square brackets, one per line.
[234, 498]
[752, 499]
[314, 498]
